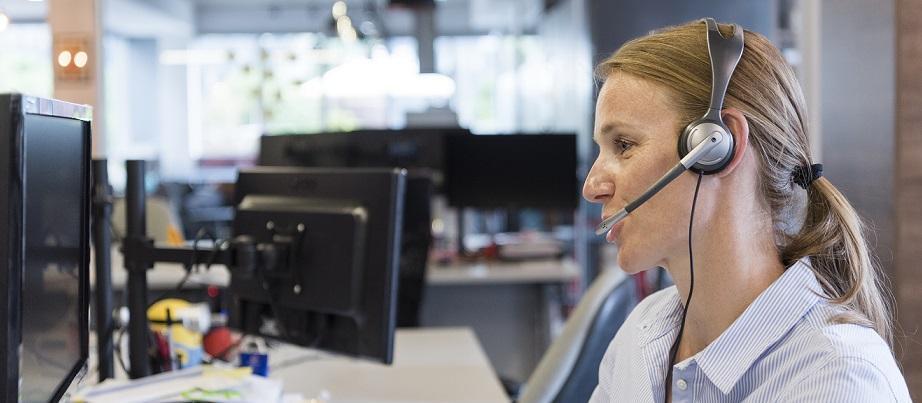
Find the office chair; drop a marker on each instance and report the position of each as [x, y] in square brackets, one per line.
[569, 370]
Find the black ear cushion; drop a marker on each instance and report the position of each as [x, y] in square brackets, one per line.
[706, 168]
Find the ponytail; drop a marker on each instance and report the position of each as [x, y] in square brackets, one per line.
[834, 237]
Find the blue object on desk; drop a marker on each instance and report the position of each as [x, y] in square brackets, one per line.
[259, 362]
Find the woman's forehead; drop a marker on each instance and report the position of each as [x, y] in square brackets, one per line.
[626, 100]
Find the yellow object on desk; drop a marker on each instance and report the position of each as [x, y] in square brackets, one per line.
[185, 344]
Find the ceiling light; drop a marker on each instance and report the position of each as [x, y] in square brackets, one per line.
[339, 9]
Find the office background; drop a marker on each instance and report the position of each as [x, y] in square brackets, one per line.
[192, 84]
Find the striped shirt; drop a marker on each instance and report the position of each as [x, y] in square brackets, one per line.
[783, 348]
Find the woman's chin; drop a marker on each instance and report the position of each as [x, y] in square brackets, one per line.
[631, 264]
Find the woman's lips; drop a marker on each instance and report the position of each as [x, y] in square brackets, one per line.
[613, 233]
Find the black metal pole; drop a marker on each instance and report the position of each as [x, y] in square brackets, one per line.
[102, 213]
[136, 234]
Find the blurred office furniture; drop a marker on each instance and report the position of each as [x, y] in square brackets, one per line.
[569, 370]
[200, 206]
[162, 222]
[510, 172]
[418, 150]
[313, 260]
[474, 172]
[405, 148]
[433, 117]
[513, 307]
[505, 301]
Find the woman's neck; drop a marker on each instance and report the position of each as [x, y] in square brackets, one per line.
[733, 264]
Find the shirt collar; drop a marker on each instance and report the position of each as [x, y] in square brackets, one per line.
[769, 317]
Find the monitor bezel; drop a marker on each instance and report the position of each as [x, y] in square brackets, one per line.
[12, 240]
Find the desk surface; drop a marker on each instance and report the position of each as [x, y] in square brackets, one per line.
[530, 271]
[430, 365]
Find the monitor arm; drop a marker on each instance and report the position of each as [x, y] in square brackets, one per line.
[242, 255]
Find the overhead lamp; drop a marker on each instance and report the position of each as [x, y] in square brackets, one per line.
[339, 9]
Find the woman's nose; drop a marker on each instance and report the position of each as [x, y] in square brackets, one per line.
[598, 188]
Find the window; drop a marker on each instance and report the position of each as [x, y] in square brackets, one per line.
[26, 63]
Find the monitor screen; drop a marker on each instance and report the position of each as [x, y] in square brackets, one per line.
[53, 229]
[44, 246]
[512, 171]
[404, 148]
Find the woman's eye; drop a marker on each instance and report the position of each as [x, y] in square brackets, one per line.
[622, 145]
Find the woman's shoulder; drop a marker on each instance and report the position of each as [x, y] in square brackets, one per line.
[824, 329]
[827, 350]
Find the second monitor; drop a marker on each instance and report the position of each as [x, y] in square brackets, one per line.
[329, 249]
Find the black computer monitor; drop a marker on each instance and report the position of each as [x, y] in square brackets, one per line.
[44, 249]
[405, 148]
[512, 171]
[333, 237]
[420, 151]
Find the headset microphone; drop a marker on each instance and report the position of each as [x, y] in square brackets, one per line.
[699, 152]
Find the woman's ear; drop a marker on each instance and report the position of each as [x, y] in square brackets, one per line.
[739, 129]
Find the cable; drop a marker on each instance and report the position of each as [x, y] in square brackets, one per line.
[691, 270]
[191, 266]
[118, 351]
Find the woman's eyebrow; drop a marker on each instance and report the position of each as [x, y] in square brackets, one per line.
[609, 127]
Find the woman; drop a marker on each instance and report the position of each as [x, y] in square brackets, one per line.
[787, 305]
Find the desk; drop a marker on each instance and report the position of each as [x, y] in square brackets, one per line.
[512, 307]
[524, 272]
[430, 365]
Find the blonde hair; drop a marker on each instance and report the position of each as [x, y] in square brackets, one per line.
[765, 90]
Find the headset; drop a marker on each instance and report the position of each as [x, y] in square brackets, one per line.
[706, 145]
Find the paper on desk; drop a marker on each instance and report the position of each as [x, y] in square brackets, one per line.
[195, 384]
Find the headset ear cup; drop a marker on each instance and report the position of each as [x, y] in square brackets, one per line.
[719, 157]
